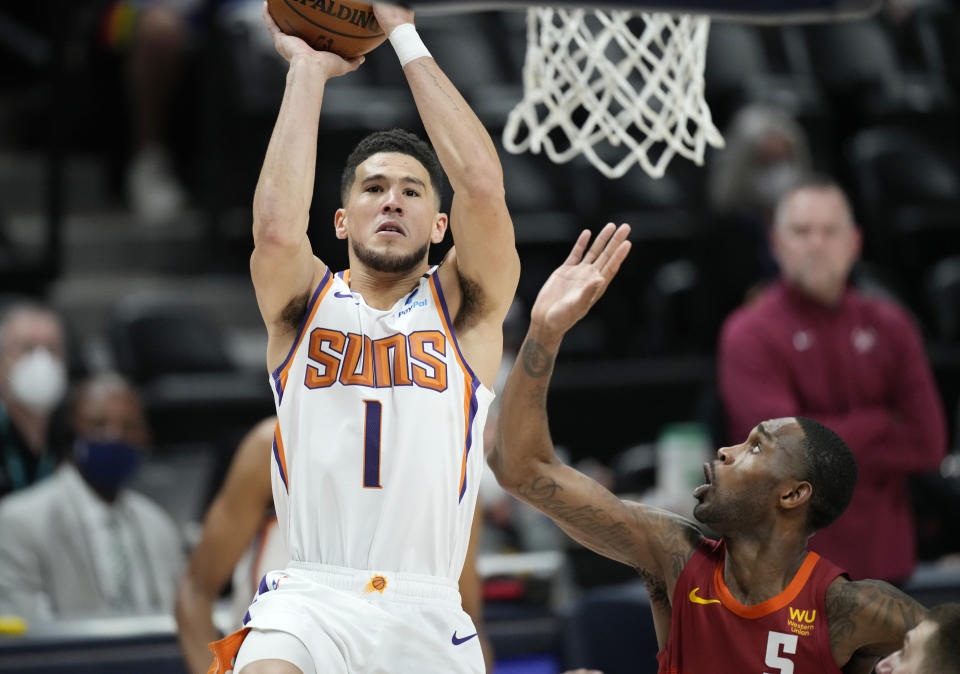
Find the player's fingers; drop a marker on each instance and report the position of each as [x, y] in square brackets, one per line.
[599, 243]
[356, 62]
[612, 265]
[619, 236]
[272, 26]
[581, 245]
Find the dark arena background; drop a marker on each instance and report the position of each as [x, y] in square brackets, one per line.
[128, 162]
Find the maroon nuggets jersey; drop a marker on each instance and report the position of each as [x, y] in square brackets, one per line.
[713, 633]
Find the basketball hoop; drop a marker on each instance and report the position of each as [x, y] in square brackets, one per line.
[594, 86]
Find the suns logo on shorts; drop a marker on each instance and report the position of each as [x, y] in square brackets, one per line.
[377, 584]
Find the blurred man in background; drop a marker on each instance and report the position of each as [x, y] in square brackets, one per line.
[810, 346]
[33, 380]
[81, 543]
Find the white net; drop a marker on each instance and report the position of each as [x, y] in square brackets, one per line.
[618, 87]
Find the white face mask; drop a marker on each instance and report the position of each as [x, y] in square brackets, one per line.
[38, 380]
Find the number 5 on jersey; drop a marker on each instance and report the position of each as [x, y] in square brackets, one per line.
[776, 641]
[372, 417]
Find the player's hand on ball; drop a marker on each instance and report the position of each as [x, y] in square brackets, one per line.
[576, 285]
[290, 46]
[389, 15]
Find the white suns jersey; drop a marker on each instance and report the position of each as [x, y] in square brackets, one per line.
[378, 450]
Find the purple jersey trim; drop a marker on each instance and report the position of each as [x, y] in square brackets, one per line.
[474, 381]
[474, 384]
[276, 455]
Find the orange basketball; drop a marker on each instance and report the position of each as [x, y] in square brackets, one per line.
[344, 27]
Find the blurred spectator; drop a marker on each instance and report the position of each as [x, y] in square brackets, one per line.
[766, 153]
[155, 33]
[810, 346]
[33, 380]
[932, 647]
[80, 543]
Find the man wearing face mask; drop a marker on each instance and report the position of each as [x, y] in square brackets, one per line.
[33, 380]
[814, 347]
[81, 543]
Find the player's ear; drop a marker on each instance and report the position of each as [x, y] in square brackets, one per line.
[340, 223]
[795, 494]
[439, 229]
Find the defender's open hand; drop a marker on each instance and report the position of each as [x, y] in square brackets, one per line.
[575, 286]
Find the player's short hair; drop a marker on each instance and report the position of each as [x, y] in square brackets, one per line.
[393, 140]
[830, 468]
[943, 650]
[812, 181]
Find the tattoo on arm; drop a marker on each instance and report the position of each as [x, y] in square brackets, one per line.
[842, 607]
[882, 612]
[593, 526]
[439, 86]
[677, 540]
[537, 360]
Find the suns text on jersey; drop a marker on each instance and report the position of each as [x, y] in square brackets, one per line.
[417, 359]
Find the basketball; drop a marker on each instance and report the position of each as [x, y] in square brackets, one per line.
[344, 27]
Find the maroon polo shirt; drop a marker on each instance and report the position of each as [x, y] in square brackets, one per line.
[859, 368]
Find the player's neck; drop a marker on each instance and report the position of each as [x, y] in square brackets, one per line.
[756, 570]
[381, 290]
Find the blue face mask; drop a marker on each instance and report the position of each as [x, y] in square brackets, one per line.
[108, 465]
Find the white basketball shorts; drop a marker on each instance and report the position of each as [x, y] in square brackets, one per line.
[366, 621]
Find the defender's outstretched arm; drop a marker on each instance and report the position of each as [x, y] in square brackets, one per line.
[656, 543]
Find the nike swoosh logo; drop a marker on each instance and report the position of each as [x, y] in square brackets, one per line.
[697, 600]
[343, 295]
[457, 641]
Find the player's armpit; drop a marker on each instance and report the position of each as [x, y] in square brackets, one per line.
[284, 298]
[868, 618]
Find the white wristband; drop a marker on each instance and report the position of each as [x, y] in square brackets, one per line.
[407, 43]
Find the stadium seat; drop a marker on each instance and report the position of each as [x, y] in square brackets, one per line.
[151, 339]
[859, 67]
[611, 629]
[943, 297]
[192, 389]
[907, 197]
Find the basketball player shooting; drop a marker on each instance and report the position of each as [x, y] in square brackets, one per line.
[754, 601]
[381, 375]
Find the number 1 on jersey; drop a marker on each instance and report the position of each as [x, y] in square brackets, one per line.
[372, 415]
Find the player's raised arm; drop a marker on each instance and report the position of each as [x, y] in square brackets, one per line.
[485, 255]
[283, 266]
[656, 543]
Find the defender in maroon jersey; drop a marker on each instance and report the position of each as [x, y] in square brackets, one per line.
[755, 601]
